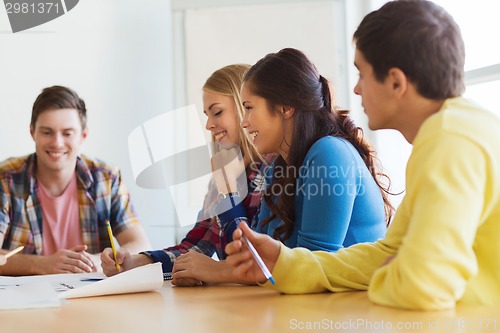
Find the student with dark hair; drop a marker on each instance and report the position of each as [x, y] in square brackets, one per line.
[290, 112]
[444, 242]
[323, 191]
[56, 202]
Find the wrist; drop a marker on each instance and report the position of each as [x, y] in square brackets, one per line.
[226, 272]
[141, 259]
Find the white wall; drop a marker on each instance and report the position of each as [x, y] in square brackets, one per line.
[392, 149]
[117, 55]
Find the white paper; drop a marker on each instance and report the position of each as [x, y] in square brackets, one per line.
[140, 279]
[28, 296]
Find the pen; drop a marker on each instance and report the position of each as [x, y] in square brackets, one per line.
[91, 279]
[110, 233]
[11, 253]
[259, 261]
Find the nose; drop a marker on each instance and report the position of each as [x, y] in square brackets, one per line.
[357, 89]
[210, 124]
[244, 122]
[59, 140]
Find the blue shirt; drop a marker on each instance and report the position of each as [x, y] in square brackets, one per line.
[337, 201]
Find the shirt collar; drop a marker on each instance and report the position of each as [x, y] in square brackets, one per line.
[82, 172]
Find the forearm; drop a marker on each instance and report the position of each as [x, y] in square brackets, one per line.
[140, 260]
[133, 239]
[300, 271]
[221, 272]
[25, 264]
[136, 246]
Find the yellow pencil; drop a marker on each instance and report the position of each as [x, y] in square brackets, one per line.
[110, 233]
[11, 253]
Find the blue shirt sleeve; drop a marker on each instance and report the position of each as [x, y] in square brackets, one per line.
[326, 191]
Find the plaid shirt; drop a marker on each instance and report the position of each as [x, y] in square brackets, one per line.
[207, 236]
[101, 196]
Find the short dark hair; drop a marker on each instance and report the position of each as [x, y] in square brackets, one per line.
[420, 38]
[55, 98]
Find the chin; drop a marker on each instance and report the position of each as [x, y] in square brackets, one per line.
[373, 126]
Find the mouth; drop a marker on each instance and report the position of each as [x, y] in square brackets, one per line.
[219, 136]
[56, 154]
[254, 134]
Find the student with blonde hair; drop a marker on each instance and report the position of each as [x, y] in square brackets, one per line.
[224, 111]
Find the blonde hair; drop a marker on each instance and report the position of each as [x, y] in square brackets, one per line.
[227, 81]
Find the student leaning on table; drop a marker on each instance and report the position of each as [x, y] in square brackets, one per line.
[56, 202]
[222, 106]
[322, 192]
[444, 242]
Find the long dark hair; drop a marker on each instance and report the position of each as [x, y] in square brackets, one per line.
[289, 78]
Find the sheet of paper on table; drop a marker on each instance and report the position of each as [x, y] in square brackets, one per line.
[46, 290]
[139, 279]
[28, 296]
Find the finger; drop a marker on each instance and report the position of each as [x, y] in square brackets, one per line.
[249, 269]
[233, 247]
[79, 248]
[107, 256]
[83, 257]
[70, 268]
[179, 266]
[78, 264]
[120, 256]
[182, 274]
[186, 282]
[237, 233]
[245, 229]
[239, 257]
[109, 270]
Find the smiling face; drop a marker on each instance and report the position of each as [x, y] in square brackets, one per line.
[222, 118]
[58, 135]
[376, 97]
[265, 127]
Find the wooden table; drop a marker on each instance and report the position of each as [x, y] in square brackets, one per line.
[235, 308]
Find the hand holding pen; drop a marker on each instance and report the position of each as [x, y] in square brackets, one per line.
[252, 255]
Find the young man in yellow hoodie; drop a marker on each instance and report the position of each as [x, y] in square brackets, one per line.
[444, 242]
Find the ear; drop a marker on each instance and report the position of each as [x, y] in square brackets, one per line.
[85, 133]
[32, 132]
[397, 81]
[286, 111]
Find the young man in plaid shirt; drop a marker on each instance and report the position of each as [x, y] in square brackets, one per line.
[56, 202]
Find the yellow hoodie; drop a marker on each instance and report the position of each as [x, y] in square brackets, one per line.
[445, 235]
